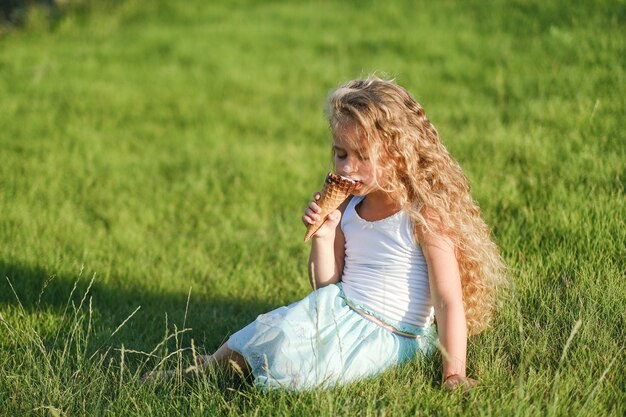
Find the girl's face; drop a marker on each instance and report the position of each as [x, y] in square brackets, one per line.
[353, 161]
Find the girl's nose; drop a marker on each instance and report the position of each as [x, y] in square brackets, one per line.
[346, 169]
[350, 165]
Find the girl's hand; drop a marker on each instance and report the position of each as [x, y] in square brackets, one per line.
[456, 381]
[312, 215]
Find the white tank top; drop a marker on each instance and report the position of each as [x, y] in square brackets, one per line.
[385, 270]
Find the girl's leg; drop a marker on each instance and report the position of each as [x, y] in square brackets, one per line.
[223, 358]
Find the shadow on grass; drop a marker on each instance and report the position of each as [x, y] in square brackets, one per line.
[211, 319]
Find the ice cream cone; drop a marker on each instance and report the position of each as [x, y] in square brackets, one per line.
[335, 191]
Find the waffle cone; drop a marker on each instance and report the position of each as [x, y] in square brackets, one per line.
[335, 191]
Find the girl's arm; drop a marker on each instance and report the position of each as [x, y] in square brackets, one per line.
[447, 298]
[326, 258]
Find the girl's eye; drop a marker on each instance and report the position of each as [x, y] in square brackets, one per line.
[341, 155]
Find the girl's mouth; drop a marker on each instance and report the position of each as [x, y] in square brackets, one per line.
[358, 184]
[349, 179]
[355, 184]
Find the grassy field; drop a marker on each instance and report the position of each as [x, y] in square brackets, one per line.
[155, 158]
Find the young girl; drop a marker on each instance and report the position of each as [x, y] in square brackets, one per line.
[408, 249]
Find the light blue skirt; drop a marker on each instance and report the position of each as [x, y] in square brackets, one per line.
[321, 341]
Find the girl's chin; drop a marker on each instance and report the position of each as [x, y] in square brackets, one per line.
[361, 191]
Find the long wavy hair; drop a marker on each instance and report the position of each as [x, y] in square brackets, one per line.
[426, 181]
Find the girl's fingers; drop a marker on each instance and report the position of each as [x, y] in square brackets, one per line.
[334, 217]
[472, 382]
[310, 219]
[314, 207]
[312, 212]
[455, 382]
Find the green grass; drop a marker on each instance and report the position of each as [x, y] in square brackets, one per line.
[159, 155]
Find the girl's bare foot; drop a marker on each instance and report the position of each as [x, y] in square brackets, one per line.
[202, 360]
[222, 358]
[158, 376]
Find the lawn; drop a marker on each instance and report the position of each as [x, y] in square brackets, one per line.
[155, 158]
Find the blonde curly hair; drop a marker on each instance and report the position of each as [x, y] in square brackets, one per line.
[426, 180]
